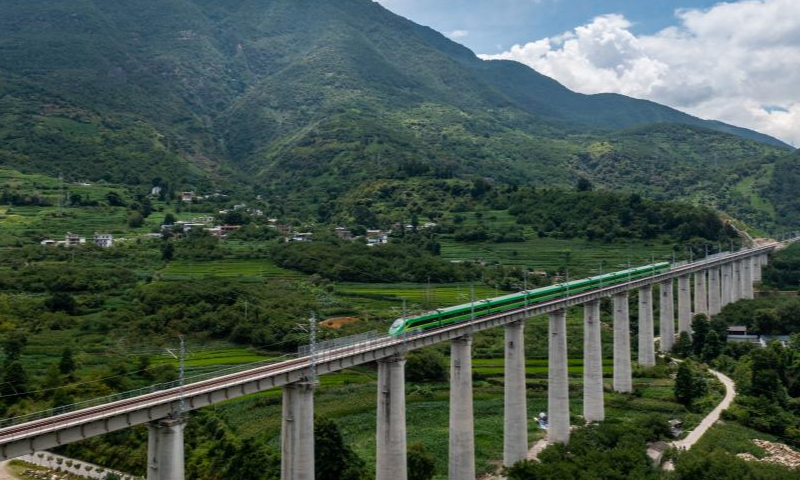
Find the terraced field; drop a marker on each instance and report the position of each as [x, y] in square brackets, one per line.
[245, 269]
[549, 254]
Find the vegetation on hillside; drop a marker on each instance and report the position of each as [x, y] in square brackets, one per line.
[304, 115]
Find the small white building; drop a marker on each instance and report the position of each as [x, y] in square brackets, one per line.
[73, 240]
[155, 191]
[302, 237]
[187, 196]
[48, 243]
[377, 237]
[103, 240]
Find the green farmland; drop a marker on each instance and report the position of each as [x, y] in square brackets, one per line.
[246, 269]
[583, 257]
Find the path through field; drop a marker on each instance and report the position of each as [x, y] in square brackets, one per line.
[5, 473]
[708, 422]
[711, 418]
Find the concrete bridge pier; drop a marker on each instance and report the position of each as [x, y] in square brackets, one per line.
[297, 431]
[165, 454]
[727, 284]
[736, 281]
[462, 423]
[558, 381]
[700, 293]
[647, 355]
[391, 420]
[757, 264]
[623, 381]
[593, 407]
[747, 278]
[714, 298]
[684, 305]
[515, 438]
[667, 316]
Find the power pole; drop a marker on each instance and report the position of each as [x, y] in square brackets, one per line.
[313, 345]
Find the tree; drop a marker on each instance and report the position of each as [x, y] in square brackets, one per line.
[15, 380]
[700, 329]
[428, 365]
[689, 384]
[61, 302]
[765, 380]
[169, 219]
[135, 220]
[713, 347]
[683, 346]
[421, 463]
[766, 321]
[584, 185]
[67, 364]
[114, 199]
[13, 345]
[334, 459]
[167, 251]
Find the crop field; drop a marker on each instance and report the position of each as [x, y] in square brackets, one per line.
[435, 294]
[250, 268]
[584, 258]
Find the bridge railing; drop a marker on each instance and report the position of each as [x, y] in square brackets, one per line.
[336, 343]
[96, 402]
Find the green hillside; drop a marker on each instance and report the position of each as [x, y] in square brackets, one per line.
[301, 101]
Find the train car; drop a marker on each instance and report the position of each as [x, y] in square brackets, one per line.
[481, 308]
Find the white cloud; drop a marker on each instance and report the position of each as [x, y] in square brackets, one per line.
[456, 34]
[735, 62]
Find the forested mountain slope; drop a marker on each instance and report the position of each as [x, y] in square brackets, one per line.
[303, 100]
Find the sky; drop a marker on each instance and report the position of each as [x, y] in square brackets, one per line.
[737, 62]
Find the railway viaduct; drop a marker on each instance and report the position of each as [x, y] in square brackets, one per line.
[716, 281]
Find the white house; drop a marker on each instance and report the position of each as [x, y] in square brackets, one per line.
[103, 240]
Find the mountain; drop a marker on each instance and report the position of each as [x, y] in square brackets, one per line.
[303, 100]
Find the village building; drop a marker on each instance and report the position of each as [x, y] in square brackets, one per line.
[301, 237]
[377, 237]
[73, 240]
[103, 240]
[343, 233]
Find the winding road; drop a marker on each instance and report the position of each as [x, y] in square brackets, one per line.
[711, 418]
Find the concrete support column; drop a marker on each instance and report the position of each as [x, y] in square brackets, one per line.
[747, 278]
[667, 316]
[647, 354]
[700, 293]
[558, 381]
[515, 414]
[736, 281]
[727, 284]
[391, 422]
[165, 456]
[462, 429]
[297, 431]
[593, 407]
[757, 264]
[714, 292]
[622, 344]
[684, 305]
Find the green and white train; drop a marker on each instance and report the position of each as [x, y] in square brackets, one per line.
[481, 308]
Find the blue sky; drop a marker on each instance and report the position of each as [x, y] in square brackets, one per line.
[733, 61]
[496, 25]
